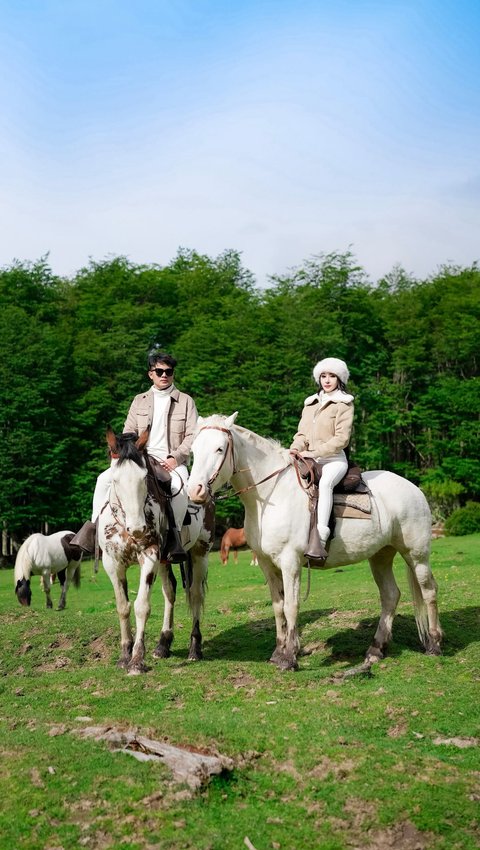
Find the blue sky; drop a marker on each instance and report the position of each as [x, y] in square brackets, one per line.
[279, 129]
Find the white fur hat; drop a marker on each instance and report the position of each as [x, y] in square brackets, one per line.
[335, 366]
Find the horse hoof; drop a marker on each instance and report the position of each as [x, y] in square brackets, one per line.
[286, 664]
[137, 669]
[195, 656]
[161, 651]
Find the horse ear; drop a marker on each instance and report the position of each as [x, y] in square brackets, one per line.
[231, 419]
[111, 440]
[143, 439]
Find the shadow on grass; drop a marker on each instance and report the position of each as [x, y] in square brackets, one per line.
[460, 628]
[255, 640]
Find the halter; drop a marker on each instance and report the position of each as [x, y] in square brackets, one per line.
[114, 509]
[216, 472]
[235, 471]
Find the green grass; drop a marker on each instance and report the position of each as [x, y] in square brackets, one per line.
[320, 763]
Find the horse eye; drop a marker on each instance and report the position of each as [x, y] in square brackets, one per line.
[220, 451]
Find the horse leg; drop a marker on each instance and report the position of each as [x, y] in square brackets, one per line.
[169, 588]
[196, 599]
[381, 565]
[291, 604]
[235, 557]
[63, 576]
[45, 584]
[274, 580]
[142, 608]
[120, 588]
[424, 593]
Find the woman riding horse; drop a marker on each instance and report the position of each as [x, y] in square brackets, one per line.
[324, 433]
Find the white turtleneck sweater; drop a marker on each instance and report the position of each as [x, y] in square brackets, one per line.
[157, 445]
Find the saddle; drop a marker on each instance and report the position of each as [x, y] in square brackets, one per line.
[310, 471]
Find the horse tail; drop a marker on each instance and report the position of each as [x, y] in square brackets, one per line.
[419, 606]
[23, 562]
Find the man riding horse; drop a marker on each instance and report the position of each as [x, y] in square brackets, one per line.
[171, 418]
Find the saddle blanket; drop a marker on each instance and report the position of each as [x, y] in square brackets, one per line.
[352, 505]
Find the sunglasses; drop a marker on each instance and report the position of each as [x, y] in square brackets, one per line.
[159, 372]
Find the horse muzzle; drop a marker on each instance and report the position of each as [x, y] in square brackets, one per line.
[197, 493]
[24, 594]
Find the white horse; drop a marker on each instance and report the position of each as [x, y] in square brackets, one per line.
[132, 528]
[277, 527]
[47, 555]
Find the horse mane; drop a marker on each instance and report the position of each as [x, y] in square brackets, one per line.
[264, 444]
[127, 449]
[258, 440]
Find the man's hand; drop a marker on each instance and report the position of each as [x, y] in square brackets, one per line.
[169, 463]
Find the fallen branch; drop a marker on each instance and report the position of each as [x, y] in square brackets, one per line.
[194, 768]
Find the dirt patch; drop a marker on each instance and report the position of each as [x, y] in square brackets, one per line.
[461, 743]
[61, 643]
[328, 767]
[56, 664]
[242, 680]
[99, 649]
[402, 836]
[313, 647]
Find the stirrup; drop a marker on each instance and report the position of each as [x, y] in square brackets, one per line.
[173, 550]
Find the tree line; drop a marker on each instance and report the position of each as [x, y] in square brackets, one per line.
[73, 355]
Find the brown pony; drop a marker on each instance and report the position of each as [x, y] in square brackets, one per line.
[234, 538]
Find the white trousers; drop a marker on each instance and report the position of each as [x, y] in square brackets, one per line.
[333, 470]
[179, 492]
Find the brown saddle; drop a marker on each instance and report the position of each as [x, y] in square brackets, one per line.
[311, 471]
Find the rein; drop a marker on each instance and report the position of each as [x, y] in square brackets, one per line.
[235, 471]
[114, 510]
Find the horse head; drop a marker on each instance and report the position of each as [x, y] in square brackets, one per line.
[129, 480]
[23, 591]
[213, 456]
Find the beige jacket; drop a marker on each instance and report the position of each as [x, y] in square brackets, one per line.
[326, 425]
[181, 421]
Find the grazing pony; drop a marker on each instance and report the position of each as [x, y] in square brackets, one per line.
[277, 523]
[234, 539]
[132, 529]
[47, 555]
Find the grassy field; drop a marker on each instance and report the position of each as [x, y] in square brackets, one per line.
[386, 761]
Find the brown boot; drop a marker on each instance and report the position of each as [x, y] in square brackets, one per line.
[173, 550]
[315, 552]
[85, 538]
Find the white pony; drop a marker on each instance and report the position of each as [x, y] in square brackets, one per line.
[132, 528]
[277, 527]
[47, 555]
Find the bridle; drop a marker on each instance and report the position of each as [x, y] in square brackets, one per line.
[217, 471]
[235, 471]
[114, 505]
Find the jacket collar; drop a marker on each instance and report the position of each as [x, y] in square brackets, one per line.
[335, 396]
